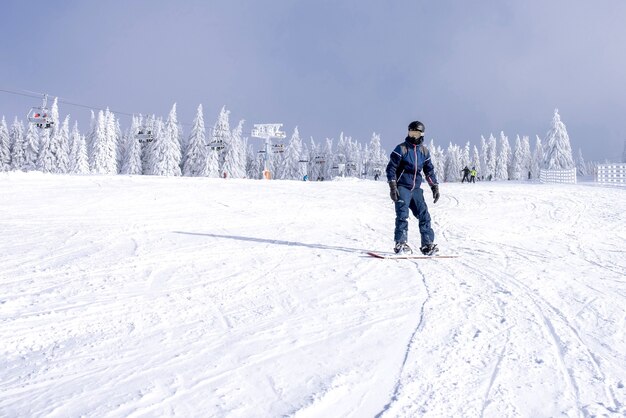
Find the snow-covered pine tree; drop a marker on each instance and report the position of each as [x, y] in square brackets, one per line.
[580, 165]
[484, 152]
[253, 163]
[175, 134]
[558, 151]
[104, 154]
[18, 146]
[517, 161]
[453, 165]
[46, 161]
[293, 152]
[527, 157]
[502, 163]
[475, 162]
[148, 146]
[438, 159]
[91, 135]
[119, 144]
[234, 164]
[537, 159]
[131, 159]
[113, 133]
[220, 136]
[196, 153]
[327, 151]
[375, 158]
[5, 146]
[212, 167]
[62, 151]
[31, 148]
[78, 159]
[165, 154]
[490, 163]
[465, 156]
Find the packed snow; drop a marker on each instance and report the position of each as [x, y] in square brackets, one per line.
[169, 296]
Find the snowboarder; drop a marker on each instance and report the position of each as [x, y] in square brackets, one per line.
[466, 172]
[406, 163]
[473, 175]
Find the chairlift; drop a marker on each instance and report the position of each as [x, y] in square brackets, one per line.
[319, 159]
[40, 116]
[351, 166]
[303, 160]
[145, 135]
[217, 145]
[278, 148]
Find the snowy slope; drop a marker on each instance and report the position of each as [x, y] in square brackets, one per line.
[148, 296]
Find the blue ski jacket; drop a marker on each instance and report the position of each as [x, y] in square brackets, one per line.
[406, 163]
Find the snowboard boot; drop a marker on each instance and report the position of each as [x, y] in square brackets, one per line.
[429, 249]
[402, 248]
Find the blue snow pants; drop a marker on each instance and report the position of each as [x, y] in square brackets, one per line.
[414, 200]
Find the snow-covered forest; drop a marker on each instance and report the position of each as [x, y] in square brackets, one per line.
[155, 146]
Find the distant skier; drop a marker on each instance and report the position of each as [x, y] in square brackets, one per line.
[466, 172]
[473, 175]
[406, 163]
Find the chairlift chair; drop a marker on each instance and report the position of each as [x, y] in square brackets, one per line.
[145, 135]
[40, 116]
[217, 145]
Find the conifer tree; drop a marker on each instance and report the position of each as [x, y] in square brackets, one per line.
[18, 146]
[475, 162]
[220, 136]
[165, 155]
[465, 155]
[196, 153]
[78, 159]
[212, 167]
[490, 164]
[453, 166]
[526, 157]
[253, 164]
[558, 151]
[581, 166]
[502, 163]
[484, 152]
[131, 160]
[31, 148]
[537, 160]
[293, 153]
[46, 161]
[375, 156]
[518, 160]
[62, 148]
[438, 159]
[104, 154]
[5, 146]
[234, 160]
[175, 133]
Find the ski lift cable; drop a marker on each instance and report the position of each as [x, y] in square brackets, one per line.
[28, 93]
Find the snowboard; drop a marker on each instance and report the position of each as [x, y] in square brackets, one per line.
[393, 256]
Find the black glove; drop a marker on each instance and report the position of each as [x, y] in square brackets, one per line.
[393, 191]
[435, 189]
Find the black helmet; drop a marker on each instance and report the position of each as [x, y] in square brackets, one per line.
[416, 126]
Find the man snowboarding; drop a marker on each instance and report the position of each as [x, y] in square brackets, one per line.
[406, 163]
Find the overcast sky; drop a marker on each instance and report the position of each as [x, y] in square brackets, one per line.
[464, 69]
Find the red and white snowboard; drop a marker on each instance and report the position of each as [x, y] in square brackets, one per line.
[394, 256]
